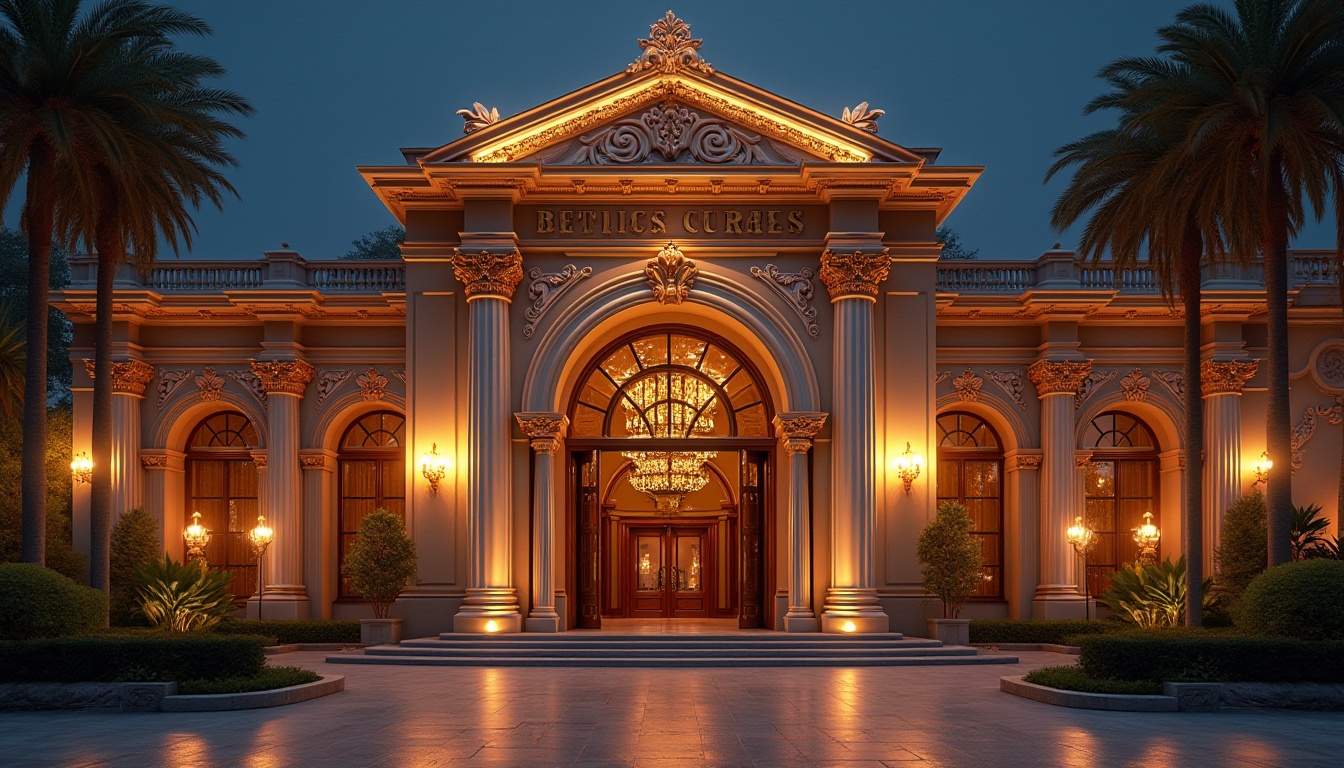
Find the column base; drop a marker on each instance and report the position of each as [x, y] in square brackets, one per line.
[801, 622]
[1050, 609]
[282, 602]
[542, 621]
[850, 610]
[489, 611]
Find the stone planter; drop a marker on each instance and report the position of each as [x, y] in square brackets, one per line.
[950, 631]
[380, 631]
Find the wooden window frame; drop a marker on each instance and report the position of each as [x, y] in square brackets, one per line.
[382, 456]
[979, 453]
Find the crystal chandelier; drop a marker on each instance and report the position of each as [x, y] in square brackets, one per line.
[669, 405]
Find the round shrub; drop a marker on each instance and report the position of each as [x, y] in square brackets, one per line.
[39, 602]
[1303, 600]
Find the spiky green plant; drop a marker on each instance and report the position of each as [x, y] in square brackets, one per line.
[183, 597]
[1310, 533]
[1153, 595]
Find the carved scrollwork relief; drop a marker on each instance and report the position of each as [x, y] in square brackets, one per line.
[154, 461]
[1011, 382]
[796, 290]
[252, 383]
[1225, 377]
[671, 275]
[1326, 366]
[1091, 384]
[209, 385]
[400, 375]
[941, 376]
[670, 48]
[1062, 377]
[372, 385]
[1173, 381]
[859, 273]
[1306, 428]
[169, 382]
[546, 289]
[671, 132]
[488, 274]
[967, 386]
[328, 381]
[1134, 386]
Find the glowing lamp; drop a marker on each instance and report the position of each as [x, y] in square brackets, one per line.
[261, 537]
[848, 626]
[1147, 536]
[434, 467]
[82, 468]
[1262, 467]
[907, 467]
[492, 626]
[196, 536]
[1082, 538]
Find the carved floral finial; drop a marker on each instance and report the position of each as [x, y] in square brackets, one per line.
[670, 48]
[671, 275]
[478, 117]
[863, 117]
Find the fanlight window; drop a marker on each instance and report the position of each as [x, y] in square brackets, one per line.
[964, 430]
[1119, 430]
[224, 430]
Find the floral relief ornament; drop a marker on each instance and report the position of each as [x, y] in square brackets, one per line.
[169, 382]
[372, 385]
[857, 273]
[671, 275]
[670, 48]
[489, 274]
[967, 386]
[478, 117]
[1134, 386]
[210, 385]
[862, 117]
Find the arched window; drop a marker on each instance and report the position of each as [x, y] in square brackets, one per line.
[970, 472]
[372, 462]
[222, 486]
[1120, 485]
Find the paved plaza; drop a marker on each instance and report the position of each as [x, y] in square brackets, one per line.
[420, 717]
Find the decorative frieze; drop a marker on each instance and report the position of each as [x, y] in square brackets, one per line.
[670, 49]
[1012, 382]
[546, 289]
[372, 385]
[209, 385]
[288, 377]
[1058, 377]
[328, 381]
[1092, 383]
[488, 274]
[169, 382]
[128, 378]
[855, 274]
[795, 289]
[1225, 377]
[967, 386]
[1134, 386]
[154, 461]
[671, 275]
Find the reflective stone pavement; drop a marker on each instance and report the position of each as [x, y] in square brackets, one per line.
[421, 717]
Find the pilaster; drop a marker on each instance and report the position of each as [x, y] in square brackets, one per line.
[318, 469]
[165, 472]
[796, 431]
[546, 432]
[1221, 386]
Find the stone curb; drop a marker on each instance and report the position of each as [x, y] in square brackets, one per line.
[1071, 650]
[1112, 702]
[294, 694]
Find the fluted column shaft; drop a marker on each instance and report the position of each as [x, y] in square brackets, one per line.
[491, 604]
[796, 431]
[284, 383]
[129, 380]
[546, 431]
[1222, 384]
[1056, 384]
[854, 281]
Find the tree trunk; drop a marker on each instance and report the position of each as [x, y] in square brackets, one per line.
[1278, 420]
[100, 498]
[1192, 249]
[38, 215]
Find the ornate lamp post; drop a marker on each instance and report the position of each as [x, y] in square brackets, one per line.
[196, 536]
[1083, 539]
[1147, 536]
[261, 537]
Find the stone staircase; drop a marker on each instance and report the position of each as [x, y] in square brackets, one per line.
[602, 649]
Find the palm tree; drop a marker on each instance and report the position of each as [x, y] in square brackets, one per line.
[1139, 193]
[1261, 97]
[160, 145]
[11, 365]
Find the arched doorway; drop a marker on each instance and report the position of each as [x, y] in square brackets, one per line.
[970, 473]
[372, 461]
[671, 453]
[222, 486]
[1120, 485]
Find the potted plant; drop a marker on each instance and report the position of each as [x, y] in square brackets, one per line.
[952, 569]
[379, 565]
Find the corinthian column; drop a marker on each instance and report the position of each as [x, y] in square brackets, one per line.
[128, 389]
[489, 280]
[796, 431]
[284, 382]
[853, 280]
[1221, 385]
[1057, 594]
[546, 431]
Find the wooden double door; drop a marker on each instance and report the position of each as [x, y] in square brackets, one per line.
[667, 569]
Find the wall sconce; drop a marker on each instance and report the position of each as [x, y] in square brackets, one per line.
[196, 536]
[82, 468]
[1147, 536]
[907, 466]
[434, 467]
[1261, 468]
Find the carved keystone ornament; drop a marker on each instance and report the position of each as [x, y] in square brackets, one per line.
[671, 275]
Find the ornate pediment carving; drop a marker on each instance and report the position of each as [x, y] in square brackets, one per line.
[672, 132]
[670, 48]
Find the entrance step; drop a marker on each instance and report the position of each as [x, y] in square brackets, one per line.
[578, 649]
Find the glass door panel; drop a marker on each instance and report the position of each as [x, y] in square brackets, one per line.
[688, 583]
[648, 573]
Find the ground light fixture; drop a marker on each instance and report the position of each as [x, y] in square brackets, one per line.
[434, 467]
[1147, 536]
[1262, 467]
[196, 536]
[81, 468]
[1083, 539]
[260, 537]
[907, 467]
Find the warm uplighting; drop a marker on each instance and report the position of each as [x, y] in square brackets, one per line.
[1147, 536]
[492, 626]
[662, 406]
[82, 468]
[848, 626]
[907, 467]
[1083, 539]
[196, 536]
[434, 467]
[1261, 468]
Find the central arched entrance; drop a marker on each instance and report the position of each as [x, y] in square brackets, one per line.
[672, 457]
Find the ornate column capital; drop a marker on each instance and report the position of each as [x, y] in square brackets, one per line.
[857, 274]
[1062, 377]
[128, 378]
[488, 274]
[282, 377]
[1225, 377]
[260, 459]
[797, 429]
[546, 429]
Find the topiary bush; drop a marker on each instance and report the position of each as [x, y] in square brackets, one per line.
[952, 560]
[1060, 632]
[135, 542]
[1303, 600]
[39, 602]
[381, 562]
[284, 632]
[1210, 656]
[1242, 550]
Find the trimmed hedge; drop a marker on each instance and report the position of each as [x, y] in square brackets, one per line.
[1303, 599]
[269, 679]
[293, 631]
[39, 602]
[139, 658]
[1057, 632]
[1074, 679]
[1190, 656]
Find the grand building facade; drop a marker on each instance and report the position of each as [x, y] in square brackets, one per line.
[671, 346]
